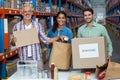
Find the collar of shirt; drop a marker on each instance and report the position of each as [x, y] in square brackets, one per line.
[63, 28]
[93, 25]
[23, 25]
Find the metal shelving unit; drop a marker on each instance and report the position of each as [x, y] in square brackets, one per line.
[113, 15]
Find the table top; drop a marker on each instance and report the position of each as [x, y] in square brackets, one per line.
[62, 75]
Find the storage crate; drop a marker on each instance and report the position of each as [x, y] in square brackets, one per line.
[27, 69]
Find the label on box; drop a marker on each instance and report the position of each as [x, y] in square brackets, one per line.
[88, 50]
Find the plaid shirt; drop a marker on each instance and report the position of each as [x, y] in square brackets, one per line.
[35, 48]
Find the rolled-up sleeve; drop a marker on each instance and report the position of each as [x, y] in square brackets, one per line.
[109, 43]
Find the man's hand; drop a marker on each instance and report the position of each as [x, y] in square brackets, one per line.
[51, 40]
[109, 58]
[13, 41]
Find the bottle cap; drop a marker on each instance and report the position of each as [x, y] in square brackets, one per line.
[52, 63]
[88, 73]
[65, 38]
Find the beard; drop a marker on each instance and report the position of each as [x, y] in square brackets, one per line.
[27, 17]
[89, 20]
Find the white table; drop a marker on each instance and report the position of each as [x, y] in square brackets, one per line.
[62, 75]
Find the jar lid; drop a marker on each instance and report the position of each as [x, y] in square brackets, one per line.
[65, 38]
[88, 73]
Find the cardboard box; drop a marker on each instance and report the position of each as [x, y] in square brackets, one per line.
[27, 69]
[26, 37]
[88, 52]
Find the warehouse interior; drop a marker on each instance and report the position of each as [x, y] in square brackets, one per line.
[106, 13]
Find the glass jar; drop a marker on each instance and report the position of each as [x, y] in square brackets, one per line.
[87, 75]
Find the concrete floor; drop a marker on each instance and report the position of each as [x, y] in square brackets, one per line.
[116, 47]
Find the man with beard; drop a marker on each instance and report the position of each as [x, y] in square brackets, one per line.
[31, 52]
[93, 29]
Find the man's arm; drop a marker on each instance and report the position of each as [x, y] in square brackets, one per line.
[109, 43]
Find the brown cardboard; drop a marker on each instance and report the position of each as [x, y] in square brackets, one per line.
[88, 62]
[111, 69]
[60, 55]
[26, 37]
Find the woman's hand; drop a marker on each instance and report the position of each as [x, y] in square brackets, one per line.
[51, 40]
[62, 38]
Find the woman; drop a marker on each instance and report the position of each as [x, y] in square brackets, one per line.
[60, 29]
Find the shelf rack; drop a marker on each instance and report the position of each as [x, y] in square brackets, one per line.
[113, 16]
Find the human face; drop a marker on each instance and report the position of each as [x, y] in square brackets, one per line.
[61, 19]
[88, 16]
[27, 13]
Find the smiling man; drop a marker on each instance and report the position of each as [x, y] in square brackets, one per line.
[93, 29]
[33, 51]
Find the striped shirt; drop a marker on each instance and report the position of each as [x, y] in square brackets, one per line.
[35, 48]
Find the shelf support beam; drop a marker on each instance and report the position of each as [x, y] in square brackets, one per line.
[59, 5]
[2, 3]
[2, 63]
[34, 4]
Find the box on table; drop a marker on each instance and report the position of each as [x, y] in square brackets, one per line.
[88, 52]
[27, 69]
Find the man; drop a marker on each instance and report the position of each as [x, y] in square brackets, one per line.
[93, 29]
[31, 52]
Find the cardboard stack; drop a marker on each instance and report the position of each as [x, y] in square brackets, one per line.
[38, 2]
[54, 9]
[7, 3]
[13, 4]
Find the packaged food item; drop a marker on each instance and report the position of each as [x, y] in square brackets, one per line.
[75, 77]
[65, 40]
[87, 75]
[52, 71]
[55, 73]
[101, 75]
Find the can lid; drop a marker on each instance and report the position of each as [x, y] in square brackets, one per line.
[65, 38]
[88, 73]
[52, 63]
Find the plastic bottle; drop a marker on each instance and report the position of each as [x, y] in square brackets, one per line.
[52, 71]
[87, 75]
[55, 73]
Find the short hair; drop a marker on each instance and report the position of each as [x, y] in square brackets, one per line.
[27, 5]
[88, 9]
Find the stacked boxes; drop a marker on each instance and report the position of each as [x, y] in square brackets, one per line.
[54, 9]
[38, 3]
[7, 4]
[13, 4]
